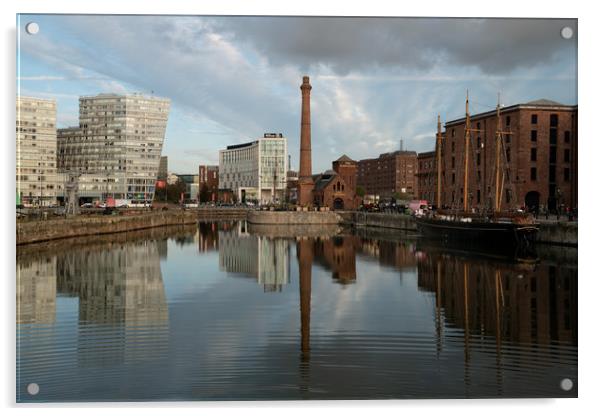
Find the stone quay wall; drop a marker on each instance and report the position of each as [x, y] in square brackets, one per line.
[86, 225]
[550, 232]
[293, 217]
[380, 220]
[52, 229]
[558, 233]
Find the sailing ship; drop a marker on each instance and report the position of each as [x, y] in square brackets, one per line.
[488, 229]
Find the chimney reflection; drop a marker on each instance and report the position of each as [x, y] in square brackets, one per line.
[305, 256]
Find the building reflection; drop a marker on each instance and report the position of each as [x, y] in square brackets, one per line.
[36, 290]
[120, 288]
[337, 254]
[266, 259]
[209, 236]
[514, 302]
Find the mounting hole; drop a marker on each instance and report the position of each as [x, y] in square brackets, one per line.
[566, 32]
[33, 389]
[566, 384]
[32, 28]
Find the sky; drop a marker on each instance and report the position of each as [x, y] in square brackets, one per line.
[232, 78]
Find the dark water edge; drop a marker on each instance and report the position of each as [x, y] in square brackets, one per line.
[220, 311]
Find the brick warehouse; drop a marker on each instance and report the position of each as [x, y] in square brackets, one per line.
[209, 177]
[393, 172]
[541, 155]
[426, 178]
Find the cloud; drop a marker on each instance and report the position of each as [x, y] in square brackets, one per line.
[495, 46]
[231, 79]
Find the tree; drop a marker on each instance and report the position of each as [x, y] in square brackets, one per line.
[174, 191]
[360, 191]
[204, 193]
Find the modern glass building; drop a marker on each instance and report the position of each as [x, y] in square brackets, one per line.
[36, 152]
[255, 171]
[116, 149]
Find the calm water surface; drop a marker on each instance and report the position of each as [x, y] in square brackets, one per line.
[222, 311]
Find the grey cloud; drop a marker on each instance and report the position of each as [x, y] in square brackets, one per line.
[243, 74]
[348, 44]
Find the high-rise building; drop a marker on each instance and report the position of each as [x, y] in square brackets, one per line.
[255, 171]
[162, 175]
[116, 148]
[36, 152]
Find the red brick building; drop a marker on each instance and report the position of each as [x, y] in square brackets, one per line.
[541, 156]
[390, 173]
[209, 177]
[426, 178]
[336, 188]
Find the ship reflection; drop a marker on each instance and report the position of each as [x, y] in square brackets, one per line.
[506, 301]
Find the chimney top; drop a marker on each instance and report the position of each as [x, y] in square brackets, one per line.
[306, 79]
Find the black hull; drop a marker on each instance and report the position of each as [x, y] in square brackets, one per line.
[484, 236]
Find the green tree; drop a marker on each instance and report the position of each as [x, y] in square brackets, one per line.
[204, 193]
[360, 191]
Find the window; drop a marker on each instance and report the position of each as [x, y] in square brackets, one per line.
[507, 138]
[567, 136]
[552, 174]
[533, 118]
[553, 136]
[478, 159]
[478, 196]
[453, 162]
[453, 178]
[453, 146]
[533, 154]
[533, 135]
[553, 120]
[567, 174]
[507, 120]
[453, 132]
[508, 155]
[479, 144]
[552, 154]
[567, 155]
[533, 174]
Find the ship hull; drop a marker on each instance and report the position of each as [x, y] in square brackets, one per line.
[481, 235]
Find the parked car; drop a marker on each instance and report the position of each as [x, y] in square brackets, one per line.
[190, 203]
[87, 205]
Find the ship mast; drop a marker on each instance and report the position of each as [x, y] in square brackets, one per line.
[499, 171]
[466, 144]
[498, 145]
[438, 161]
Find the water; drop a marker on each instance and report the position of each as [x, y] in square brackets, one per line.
[224, 311]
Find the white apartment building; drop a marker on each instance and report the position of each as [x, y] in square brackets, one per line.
[36, 152]
[255, 171]
[116, 149]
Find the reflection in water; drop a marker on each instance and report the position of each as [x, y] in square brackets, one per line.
[36, 291]
[118, 286]
[151, 316]
[265, 259]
